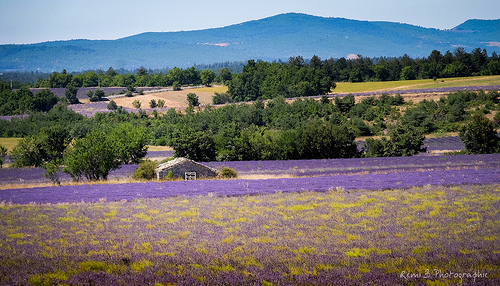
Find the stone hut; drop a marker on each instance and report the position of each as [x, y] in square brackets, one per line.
[185, 168]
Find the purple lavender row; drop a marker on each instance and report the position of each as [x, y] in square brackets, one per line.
[132, 191]
[359, 163]
[291, 167]
[60, 92]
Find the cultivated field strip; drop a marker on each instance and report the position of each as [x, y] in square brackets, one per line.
[431, 235]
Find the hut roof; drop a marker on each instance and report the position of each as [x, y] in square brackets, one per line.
[179, 160]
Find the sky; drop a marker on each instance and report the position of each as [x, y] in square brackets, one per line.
[34, 21]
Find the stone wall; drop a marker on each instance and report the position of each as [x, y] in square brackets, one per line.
[179, 170]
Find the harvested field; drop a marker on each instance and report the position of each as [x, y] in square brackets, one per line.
[173, 99]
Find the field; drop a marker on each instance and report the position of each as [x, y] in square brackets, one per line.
[173, 99]
[418, 236]
[348, 87]
[422, 220]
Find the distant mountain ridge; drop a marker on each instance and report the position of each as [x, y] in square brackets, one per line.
[273, 38]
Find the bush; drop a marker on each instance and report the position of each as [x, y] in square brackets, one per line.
[153, 103]
[161, 103]
[405, 140]
[112, 105]
[146, 170]
[136, 103]
[228, 173]
[3, 154]
[480, 136]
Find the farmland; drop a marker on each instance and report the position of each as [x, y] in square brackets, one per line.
[419, 235]
[419, 220]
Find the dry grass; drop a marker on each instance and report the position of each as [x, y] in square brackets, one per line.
[9, 143]
[173, 99]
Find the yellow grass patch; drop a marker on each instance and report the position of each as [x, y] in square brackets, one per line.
[9, 143]
[349, 87]
[173, 99]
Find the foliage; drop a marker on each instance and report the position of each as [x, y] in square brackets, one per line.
[136, 103]
[192, 99]
[222, 98]
[228, 173]
[96, 95]
[112, 105]
[52, 169]
[104, 149]
[47, 146]
[3, 154]
[480, 136]
[153, 103]
[194, 145]
[70, 93]
[207, 77]
[161, 103]
[92, 157]
[23, 100]
[146, 170]
[405, 140]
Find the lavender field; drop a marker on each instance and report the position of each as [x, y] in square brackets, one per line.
[423, 220]
[417, 236]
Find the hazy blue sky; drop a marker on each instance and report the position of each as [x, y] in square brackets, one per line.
[32, 21]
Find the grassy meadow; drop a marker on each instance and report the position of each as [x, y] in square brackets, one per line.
[349, 87]
[418, 236]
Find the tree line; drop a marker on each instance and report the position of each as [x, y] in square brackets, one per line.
[264, 130]
[457, 63]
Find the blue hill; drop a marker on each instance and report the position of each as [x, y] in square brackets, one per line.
[273, 38]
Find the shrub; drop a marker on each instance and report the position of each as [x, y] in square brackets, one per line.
[228, 173]
[3, 154]
[136, 103]
[480, 136]
[146, 170]
[112, 105]
[161, 103]
[153, 103]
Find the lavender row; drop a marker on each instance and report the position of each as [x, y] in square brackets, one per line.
[290, 167]
[293, 166]
[132, 191]
[60, 92]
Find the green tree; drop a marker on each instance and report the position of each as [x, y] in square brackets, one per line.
[405, 140]
[92, 157]
[224, 76]
[207, 77]
[161, 103]
[153, 103]
[480, 136]
[44, 100]
[48, 145]
[194, 145]
[105, 149]
[192, 99]
[71, 94]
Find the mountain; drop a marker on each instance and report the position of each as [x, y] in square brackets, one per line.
[273, 38]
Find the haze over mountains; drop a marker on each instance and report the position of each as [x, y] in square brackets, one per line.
[273, 38]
